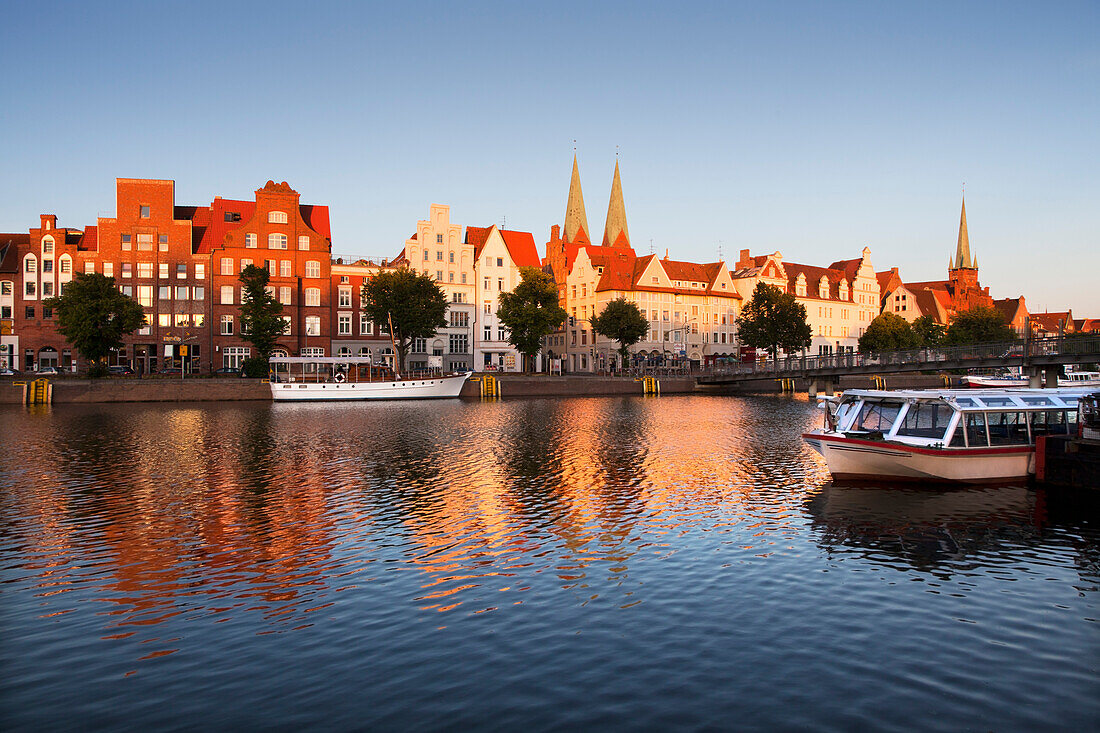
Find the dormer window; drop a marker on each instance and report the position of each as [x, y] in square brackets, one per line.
[823, 287]
[276, 217]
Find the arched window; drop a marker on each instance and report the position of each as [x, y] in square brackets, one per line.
[30, 264]
[276, 241]
[276, 217]
[844, 290]
[65, 265]
[47, 245]
[364, 352]
[343, 351]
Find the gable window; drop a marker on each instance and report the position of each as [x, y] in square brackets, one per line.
[276, 241]
[47, 245]
[303, 242]
[276, 217]
[250, 240]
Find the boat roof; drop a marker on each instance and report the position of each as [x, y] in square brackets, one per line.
[980, 400]
[322, 360]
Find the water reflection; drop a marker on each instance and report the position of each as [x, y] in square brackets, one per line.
[162, 535]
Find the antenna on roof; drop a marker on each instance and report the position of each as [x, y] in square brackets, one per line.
[719, 250]
[651, 245]
[503, 223]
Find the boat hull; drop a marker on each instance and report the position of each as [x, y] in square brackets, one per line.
[404, 389]
[856, 459]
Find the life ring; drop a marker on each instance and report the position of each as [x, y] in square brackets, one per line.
[339, 377]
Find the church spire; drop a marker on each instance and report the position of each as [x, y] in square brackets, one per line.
[575, 218]
[962, 251]
[616, 214]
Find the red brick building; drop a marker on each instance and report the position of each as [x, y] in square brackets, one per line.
[181, 264]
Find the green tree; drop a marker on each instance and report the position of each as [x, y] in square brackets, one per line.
[261, 318]
[94, 316]
[774, 320]
[415, 304]
[980, 325]
[928, 332]
[622, 321]
[888, 332]
[531, 312]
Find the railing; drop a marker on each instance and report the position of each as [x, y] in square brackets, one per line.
[1011, 353]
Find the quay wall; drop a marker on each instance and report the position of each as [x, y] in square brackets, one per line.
[66, 391]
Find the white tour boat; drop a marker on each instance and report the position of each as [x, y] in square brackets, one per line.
[1071, 379]
[968, 436]
[302, 378]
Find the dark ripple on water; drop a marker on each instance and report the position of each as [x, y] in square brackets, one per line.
[630, 563]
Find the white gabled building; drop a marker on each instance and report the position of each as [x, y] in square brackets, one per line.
[498, 256]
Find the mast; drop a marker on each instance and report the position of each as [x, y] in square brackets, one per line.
[389, 317]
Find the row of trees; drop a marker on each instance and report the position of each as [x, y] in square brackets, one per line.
[94, 317]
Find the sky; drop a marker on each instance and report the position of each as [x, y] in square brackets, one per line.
[812, 129]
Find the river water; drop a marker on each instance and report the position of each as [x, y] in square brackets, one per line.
[619, 563]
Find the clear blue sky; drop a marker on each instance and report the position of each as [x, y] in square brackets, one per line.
[814, 129]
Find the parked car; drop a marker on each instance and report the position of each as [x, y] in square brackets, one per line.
[120, 369]
[6, 372]
[227, 372]
[47, 371]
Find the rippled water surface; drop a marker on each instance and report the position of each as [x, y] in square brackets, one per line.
[621, 563]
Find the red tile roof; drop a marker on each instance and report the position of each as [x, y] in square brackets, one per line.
[477, 236]
[9, 251]
[521, 247]
[813, 276]
[90, 241]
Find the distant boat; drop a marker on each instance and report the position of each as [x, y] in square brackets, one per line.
[338, 378]
[985, 381]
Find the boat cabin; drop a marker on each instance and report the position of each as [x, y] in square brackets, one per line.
[958, 418]
[321, 369]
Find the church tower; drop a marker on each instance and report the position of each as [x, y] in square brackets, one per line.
[963, 272]
[575, 227]
[615, 233]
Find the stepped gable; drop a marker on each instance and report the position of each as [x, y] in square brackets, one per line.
[615, 233]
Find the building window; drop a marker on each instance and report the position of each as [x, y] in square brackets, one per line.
[226, 326]
[227, 294]
[250, 241]
[313, 325]
[30, 264]
[451, 257]
[162, 242]
[439, 255]
[276, 217]
[464, 278]
[127, 269]
[313, 296]
[164, 292]
[182, 291]
[500, 262]
[420, 346]
[126, 242]
[144, 212]
[439, 276]
[487, 285]
[343, 324]
[488, 307]
[276, 241]
[487, 333]
[502, 333]
[460, 319]
[234, 356]
[284, 295]
[500, 283]
[227, 266]
[284, 268]
[439, 239]
[313, 268]
[458, 297]
[303, 242]
[345, 298]
[109, 269]
[270, 266]
[245, 264]
[366, 328]
[145, 295]
[89, 267]
[145, 242]
[450, 277]
[47, 289]
[460, 343]
[28, 311]
[425, 255]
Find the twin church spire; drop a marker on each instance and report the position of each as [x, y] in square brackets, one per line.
[575, 226]
[962, 259]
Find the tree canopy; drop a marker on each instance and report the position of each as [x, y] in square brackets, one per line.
[978, 325]
[531, 311]
[888, 332]
[774, 320]
[94, 316]
[927, 331]
[416, 305]
[621, 320]
[261, 315]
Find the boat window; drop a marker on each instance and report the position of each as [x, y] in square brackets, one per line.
[1007, 428]
[974, 425]
[998, 402]
[925, 420]
[1036, 401]
[965, 402]
[1053, 422]
[877, 416]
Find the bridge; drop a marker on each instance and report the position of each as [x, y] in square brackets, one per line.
[1033, 357]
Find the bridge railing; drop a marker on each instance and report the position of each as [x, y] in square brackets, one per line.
[1012, 353]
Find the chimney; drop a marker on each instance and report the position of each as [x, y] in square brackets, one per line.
[744, 259]
[555, 233]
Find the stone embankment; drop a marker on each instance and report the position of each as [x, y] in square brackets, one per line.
[74, 390]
